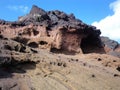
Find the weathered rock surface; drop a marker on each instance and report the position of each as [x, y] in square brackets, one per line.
[110, 44]
[50, 50]
[111, 47]
[53, 30]
[63, 72]
[12, 52]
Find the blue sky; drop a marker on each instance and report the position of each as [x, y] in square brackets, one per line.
[86, 10]
[89, 11]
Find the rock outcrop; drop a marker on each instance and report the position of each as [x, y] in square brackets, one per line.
[53, 30]
[111, 47]
[33, 54]
[12, 52]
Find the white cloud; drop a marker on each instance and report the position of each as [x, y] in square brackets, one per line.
[21, 8]
[110, 25]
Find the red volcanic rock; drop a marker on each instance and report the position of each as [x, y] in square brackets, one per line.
[52, 30]
[55, 31]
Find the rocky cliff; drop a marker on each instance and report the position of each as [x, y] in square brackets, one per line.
[52, 30]
[50, 41]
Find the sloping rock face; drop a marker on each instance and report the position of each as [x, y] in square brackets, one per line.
[53, 30]
[12, 52]
[109, 44]
[111, 47]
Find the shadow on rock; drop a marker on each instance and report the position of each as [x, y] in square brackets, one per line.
[7, 70]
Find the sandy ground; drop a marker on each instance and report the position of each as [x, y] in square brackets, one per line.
[68, 72]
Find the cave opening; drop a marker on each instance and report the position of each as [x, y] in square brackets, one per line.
[91, 44]
[33, 45]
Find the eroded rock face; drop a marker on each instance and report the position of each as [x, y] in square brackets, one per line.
[109, 44]
[12, 52]
[26, 58]
[52, 29]
[111, 47]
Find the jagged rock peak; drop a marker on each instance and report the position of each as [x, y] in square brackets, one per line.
[36, 10]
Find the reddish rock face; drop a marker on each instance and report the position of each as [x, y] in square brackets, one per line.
[40, 37]
[71, 42]
[53, 30]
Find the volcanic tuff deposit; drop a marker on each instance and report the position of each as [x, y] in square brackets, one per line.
[51, 50]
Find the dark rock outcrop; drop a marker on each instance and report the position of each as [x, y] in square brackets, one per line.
[37, 10]
[111, 47]
[12, 52]
[109, 44]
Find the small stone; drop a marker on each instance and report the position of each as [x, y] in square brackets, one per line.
[59, 64]
[45, 75]
[64, 65]
[76, 60]
[93, 75]
[114, 60]
[84, 64]
[116, 75]
[50, 62]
